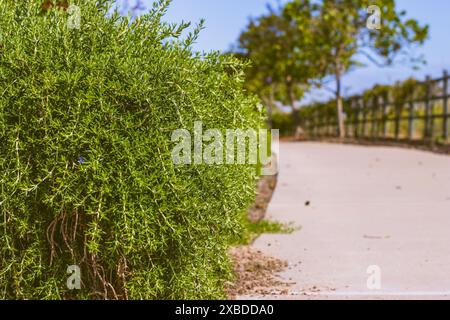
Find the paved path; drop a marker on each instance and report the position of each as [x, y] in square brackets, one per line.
[368, 206]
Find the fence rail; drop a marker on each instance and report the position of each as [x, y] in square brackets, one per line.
[422, 115]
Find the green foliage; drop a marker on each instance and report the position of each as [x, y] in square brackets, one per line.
[343, 37]
[252, 230]
[284, 57]
[86, 117]
[340, 29]
[405, 91]
[305, 43]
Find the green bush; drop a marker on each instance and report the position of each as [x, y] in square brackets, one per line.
[86, 117]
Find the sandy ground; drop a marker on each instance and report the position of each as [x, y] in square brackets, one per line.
[359, 207]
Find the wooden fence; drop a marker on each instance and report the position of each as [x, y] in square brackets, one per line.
[422, 116]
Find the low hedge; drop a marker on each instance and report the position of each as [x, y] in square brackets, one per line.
[87, 179]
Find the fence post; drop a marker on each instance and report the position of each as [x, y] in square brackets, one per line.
[359, 106]
[319, 122]
[427, 126]
[316, 123]
[373, 112]
[397, 121]
[345, 115]
[311, 125]
[356, 102]
[336, 127]
[330, 125]
[364, 124]
[382, 103]
[378, 117]
[411, 120]
[377, 113]
[310, 128]
[397, 110]
[445, 104]
[355, 117]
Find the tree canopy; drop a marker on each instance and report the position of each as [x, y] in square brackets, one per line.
[304, 42]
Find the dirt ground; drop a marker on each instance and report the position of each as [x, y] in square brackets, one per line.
[256, 273]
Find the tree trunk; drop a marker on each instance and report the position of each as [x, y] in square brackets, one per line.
[293, 102]
[340, 106]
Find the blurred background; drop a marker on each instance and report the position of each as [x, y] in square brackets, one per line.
[226, 19]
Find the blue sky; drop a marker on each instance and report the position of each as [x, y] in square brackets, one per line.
[225, 19]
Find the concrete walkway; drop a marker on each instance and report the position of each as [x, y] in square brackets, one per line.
[358, 207]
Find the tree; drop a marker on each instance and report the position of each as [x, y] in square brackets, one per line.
[258, 46]
[283, 58]
[341, 34]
